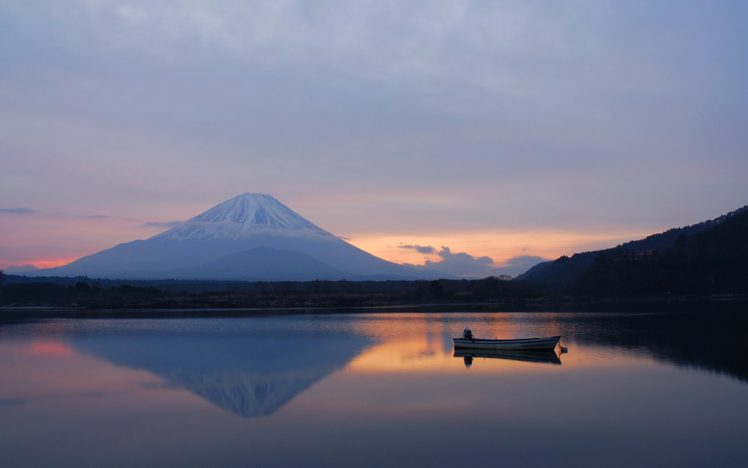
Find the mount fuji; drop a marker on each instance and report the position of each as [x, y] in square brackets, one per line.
[251, 237]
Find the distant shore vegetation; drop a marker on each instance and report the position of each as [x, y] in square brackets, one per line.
[86, 293]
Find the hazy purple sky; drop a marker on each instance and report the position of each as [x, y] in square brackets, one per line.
[499, 128]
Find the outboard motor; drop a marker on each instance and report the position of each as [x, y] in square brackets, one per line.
[467, 334]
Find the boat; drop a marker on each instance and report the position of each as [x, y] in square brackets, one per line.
[467, 341]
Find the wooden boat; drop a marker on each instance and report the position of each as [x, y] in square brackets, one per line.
[543, 356]
[467, 341]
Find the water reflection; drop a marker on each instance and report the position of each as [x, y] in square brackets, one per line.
[538, 357]
[244, 374]
[373, 390]
[710, 340]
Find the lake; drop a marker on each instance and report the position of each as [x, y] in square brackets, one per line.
[375, 389]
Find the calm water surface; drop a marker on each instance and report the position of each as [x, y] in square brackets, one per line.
[374, 390]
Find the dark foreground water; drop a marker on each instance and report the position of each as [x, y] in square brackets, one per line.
[374, 390]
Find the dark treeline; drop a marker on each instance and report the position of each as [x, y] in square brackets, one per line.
[84, 292]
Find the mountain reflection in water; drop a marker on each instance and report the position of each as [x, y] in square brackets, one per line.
[246, 375]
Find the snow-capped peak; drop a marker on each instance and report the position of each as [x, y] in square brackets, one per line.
[244, 216]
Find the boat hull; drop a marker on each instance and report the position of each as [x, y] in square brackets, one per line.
[526, 344]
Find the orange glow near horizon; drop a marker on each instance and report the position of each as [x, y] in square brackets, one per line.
[51, 263]
[428, 347]
[500, 245]
[50, 348]
[41, 263]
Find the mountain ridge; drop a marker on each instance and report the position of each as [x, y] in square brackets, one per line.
[242, 223]
[678, 260]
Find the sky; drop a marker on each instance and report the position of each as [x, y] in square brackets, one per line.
[504, 130]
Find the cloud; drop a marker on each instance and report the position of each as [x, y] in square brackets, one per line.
[162, 224]
[31, 211]
[347, 37]
[12, 401]
[464, 265]
[20, 211]
[505, 106]
[461, 264]
[424, 249]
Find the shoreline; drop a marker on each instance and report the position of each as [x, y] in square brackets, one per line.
[597, 305]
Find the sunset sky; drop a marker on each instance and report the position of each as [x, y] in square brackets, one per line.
[496, 128]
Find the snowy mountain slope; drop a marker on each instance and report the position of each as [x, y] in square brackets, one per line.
[242, 217]
[248, 221]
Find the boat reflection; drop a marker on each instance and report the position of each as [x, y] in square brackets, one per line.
[540, 357]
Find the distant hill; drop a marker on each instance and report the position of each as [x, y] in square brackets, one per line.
[20, 270]
[704, 258]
